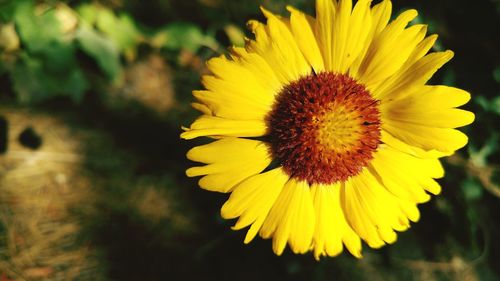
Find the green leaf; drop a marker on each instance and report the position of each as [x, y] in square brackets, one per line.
[34, 82]
[182, 35]
[36, 31]
[26, 80]
[480, 157]
[7, 10]
[487, 105]
[76, 84]
[121, 30]
[496, 74]
[495, 105]
[101, 49]
[483, 102]
[59, 57]
[88, 13]
[471, 189]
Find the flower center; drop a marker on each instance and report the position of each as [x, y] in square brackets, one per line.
[324, 128]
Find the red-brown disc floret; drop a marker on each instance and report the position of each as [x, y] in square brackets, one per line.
[324, 128]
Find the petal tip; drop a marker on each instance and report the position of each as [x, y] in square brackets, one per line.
[191, 172]
[266, 12]
[449, 54]
[470, 118]
[187, 134]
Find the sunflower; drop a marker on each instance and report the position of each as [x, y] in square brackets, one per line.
[326, 133]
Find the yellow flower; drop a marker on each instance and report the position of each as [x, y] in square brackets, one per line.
[326, 133]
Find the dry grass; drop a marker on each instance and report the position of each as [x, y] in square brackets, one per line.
[38, 189]
[57, 201]
[148, 82]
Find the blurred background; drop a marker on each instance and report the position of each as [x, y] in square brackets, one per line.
[92, 186]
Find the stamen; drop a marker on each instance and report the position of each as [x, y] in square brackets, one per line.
[324, 128]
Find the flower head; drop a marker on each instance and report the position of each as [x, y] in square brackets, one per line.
[327, 133]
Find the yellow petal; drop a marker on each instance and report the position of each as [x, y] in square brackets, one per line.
[376, 213]
[305, 39]
[259, 67]
[445, 118]
[214, 126]
[379, 15]
[430, 106]
[311, 20]
[328, 230]
[229, 161]
[252, 199]
[201, 108]
[357, 216]
[381, 61]
[235, 100]
[331, 226]
[416, 75]
[380, 207]
[443, 140]
[291, 219]
[340, 33]
[406, 176]
[420, 50]
[430, 98]
[325, 15]
[410, 210]
[402, 146]
[275, 43]
[261, 47]
[356, 35]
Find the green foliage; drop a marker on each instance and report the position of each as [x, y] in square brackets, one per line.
[7, 9]
[480, 156]
[489, 105]
[35, 81]
[496, 74]
[37, 32]
[101, 48]
[183, 35]
[48, 66]
[472, 190]
[121, 29]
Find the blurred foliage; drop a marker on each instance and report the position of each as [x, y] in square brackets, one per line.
[92, 98]
[54, 39]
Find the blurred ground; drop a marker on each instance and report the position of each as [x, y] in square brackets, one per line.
[92, 185]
